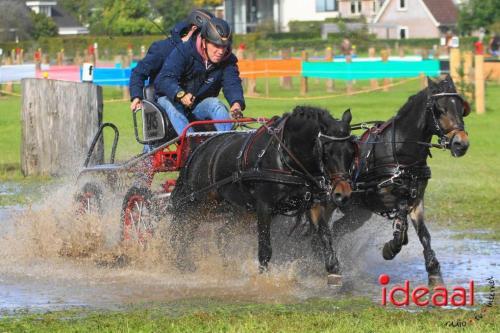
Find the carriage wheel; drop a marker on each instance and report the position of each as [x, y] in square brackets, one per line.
[89, 200]
[138, 219]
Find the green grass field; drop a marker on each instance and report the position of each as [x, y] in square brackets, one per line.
[344, 315]
[461, 195]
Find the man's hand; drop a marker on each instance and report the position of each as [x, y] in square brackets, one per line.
[236, 112]
[136, 104]
[187, 100]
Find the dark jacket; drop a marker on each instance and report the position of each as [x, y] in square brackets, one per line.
[185, 70]
[150, 66]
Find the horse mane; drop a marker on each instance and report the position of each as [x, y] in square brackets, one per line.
[412, 101]
[304, 112]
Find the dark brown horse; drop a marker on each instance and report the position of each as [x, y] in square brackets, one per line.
[391, 172]
[282, 168]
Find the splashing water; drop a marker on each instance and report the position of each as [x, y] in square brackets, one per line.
[51, 258]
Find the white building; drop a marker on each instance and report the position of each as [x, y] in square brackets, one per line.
[67, 24]
[245, 15]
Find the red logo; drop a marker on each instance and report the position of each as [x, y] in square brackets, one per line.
[458, 296]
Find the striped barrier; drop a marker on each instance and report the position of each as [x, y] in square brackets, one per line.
[10, 73]
[361, 68]
[262, 68]
[370, 70]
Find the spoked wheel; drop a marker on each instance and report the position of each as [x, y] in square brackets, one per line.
[89, 200]
[139, 219]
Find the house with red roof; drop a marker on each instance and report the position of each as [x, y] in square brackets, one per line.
[402, 19]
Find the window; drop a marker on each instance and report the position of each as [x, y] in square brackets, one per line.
[403, 32]
[326, 5]
[402, 5]
[355, 6]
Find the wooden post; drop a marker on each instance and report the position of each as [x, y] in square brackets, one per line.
[479, 83]
[8, 85]
[385, 57]
[267, 80]
[126, 64]
[78, 59]
[329, 58]
[468, 59]
[303, 80]
[423, 81]
[252, 84]
[348, 60]
[371, 54]
[96, 54]
[455, 64]
[59, 120]
[286, 81]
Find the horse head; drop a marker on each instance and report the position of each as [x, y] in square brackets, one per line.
[325, 145]
[338, 155]
[448, 109]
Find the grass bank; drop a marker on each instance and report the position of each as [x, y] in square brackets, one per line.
[462, 193]
[345, 315]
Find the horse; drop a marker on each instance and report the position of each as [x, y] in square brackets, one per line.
[391, 171]
[282, 168]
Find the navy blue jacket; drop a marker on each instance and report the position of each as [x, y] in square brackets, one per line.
[185, 70]
[150, 66]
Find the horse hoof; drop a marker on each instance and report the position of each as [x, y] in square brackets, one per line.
[263, 269]
[436, 281]
[387, 252]
[334, 280]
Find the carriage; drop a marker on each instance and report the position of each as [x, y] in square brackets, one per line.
[305, 162]
[133, 179]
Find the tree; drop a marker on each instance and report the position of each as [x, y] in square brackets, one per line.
[125, 17]
[208, 3]
[475, 14]
[80, 9]
[171, 11]
[43, 26]
[15, 20]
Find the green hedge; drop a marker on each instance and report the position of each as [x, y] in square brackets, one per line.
[259, 42]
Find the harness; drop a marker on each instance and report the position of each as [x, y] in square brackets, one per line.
[395, 173]
[316, 188]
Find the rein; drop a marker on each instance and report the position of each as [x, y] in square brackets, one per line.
[302, 178]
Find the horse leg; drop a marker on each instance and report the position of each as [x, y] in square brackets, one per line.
[183, 229]
[320, 215]
[400, 234]
[431, 263]
[264, 219]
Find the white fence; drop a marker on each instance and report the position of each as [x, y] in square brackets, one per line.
[9, 73]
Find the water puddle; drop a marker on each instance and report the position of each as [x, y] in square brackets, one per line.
[50, 259]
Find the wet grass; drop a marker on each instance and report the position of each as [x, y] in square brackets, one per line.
[461, 195]
[345, 315]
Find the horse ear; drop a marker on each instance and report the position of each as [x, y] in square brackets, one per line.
[450, 82]
[347, 116]
[430, 82]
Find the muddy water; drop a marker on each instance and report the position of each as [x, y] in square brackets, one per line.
[51, 259]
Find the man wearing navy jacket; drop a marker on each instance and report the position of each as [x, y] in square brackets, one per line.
[150, 66]
[193, 75]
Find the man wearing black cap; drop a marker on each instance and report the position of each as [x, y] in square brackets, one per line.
[194, 74]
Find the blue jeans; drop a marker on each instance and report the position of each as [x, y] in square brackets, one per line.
[209, 108]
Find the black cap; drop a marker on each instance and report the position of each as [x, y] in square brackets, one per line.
[217, 31]
[199, 17]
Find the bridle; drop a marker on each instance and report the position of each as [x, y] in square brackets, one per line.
[336, 177]
[445, 135]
